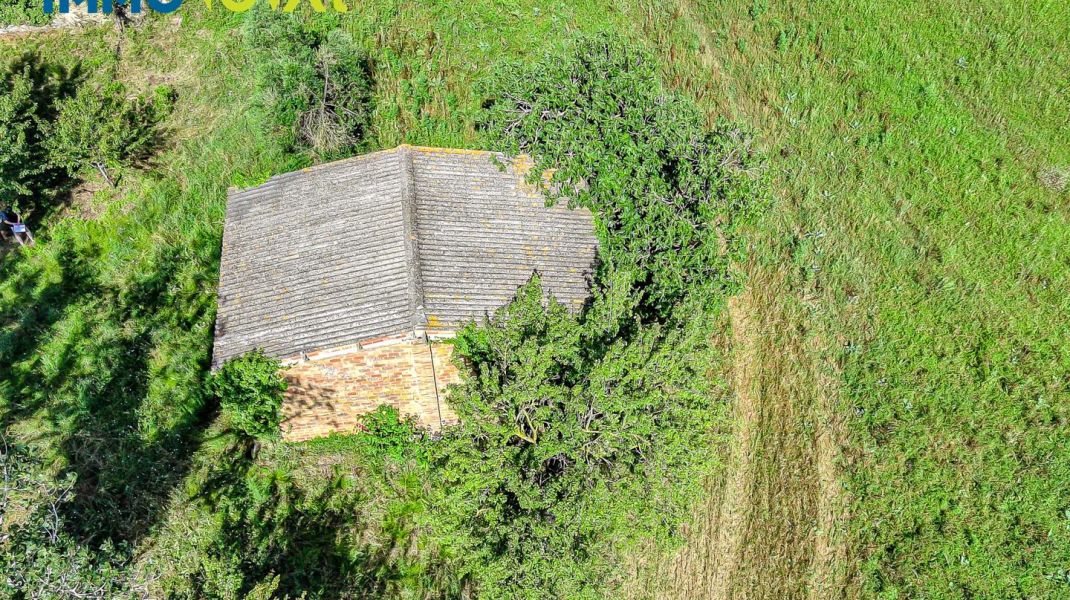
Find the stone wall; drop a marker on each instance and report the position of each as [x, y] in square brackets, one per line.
[330, 390]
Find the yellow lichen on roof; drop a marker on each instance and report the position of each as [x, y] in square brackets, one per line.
[437, 150]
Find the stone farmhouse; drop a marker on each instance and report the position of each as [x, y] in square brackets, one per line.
[352, 273]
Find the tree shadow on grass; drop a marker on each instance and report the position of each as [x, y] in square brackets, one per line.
[28, 320]
[129, 447]
[79, 357]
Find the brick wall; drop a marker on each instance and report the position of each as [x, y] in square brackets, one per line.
[329, 391]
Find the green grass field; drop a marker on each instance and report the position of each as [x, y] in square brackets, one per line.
[902, 352]
[920, 239]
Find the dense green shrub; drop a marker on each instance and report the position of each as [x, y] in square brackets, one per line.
[315, 86]
[20, 162]
[101, 128]
[30, 89]
[339, 113]
[250, 389]
[23, 12]
[283, 57]
[385, 433]
[38, 565]
[668, 193]
[561, 461]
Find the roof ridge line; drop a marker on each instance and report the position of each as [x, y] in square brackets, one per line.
[418, 317]
[445, 150]
[399, 149]
[234, 189]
